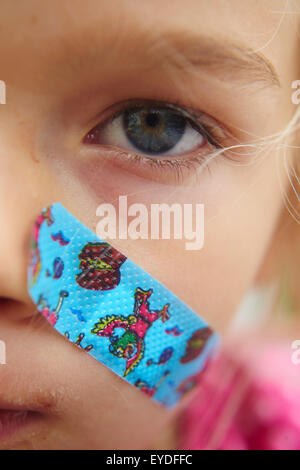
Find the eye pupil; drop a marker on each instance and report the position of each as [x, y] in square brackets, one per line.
[152, 119]
[153, 131]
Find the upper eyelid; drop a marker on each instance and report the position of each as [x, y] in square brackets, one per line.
[118, 108]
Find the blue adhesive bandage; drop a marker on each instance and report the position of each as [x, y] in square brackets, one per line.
[109, 306]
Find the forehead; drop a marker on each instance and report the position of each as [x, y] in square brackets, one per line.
[51, 26]
[50, 43]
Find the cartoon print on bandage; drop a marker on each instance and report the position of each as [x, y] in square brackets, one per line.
[195, 344]
[113, 310]
[100, 266]
[131, 344]
[35, 258]
[51, 316]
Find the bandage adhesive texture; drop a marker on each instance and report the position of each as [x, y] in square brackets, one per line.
[114, 310]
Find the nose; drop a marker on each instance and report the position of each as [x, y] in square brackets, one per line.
[15, 235]
[24, 186]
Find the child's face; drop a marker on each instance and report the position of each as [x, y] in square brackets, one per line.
[67, 66]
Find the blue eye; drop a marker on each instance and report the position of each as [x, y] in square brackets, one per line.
[154, 131]
[157, 140]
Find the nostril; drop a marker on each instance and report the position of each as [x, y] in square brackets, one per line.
[15, 309]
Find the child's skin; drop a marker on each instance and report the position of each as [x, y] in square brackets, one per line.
[65, 63]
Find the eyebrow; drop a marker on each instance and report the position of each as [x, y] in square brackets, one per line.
[181, 49]
[238, 63]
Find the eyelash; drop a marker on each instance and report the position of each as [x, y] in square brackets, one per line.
[197, 119]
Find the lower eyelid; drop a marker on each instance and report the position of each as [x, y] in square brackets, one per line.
[168, 172]
[163, 170]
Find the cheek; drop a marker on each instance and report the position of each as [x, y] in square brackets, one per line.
[239, 230]
[242, 206]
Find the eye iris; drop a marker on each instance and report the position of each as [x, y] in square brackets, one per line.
[153, 131]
